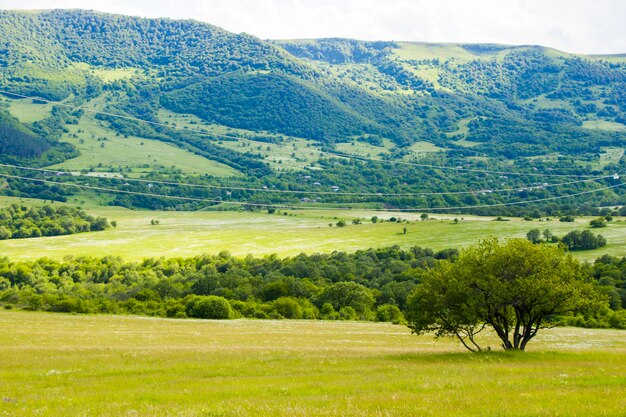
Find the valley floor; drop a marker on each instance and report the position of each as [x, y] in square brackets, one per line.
[62, 365]
[187, 234]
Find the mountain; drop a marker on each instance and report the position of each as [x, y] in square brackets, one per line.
[471, 102]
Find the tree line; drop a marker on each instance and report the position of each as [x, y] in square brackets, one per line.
[20, 221]
[372, 284]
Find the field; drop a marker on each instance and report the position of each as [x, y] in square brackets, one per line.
[242, 233]
[27, 111]
[288, 153]
[65, 365]
[101, 149]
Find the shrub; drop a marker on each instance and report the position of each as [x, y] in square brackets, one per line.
[288, 308]
[390, 313]
[209, 307]
[597, 223]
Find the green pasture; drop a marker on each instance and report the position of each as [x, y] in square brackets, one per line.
[289, 153]
[364, 149]
[428, 51]
[68, 365]
[242, 233]
[29, 112]
[102, 149]
[110, 74]
[604, 125]
[421, 148]
[610, 155]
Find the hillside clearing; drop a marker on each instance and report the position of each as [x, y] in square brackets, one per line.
[102, 149]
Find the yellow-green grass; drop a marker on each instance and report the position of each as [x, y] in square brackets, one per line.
[604, 125]
[422, 148]
[109, 74]
[421, 51]
[542, 102]
[427, 72]
[462, 127]
[289, 153]
[466, 143]
[364, 149]
[27, 111]
[137, 154]
[610, 155]
[64, 365]
[193, 122]
[241, 233]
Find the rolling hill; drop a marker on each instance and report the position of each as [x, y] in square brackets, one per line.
[506, 108]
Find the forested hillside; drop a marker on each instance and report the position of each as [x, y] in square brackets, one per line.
[522, 108]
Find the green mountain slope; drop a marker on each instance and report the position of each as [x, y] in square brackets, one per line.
[488, 106]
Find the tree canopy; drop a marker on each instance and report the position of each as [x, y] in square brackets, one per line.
[515, 288]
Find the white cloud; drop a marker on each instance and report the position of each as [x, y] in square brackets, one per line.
[571, 25]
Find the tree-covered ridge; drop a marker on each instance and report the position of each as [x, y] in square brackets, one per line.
[486, 106]
[338, 51]
[385, 91]
[178, 47]
[19, 221]
[274, 103]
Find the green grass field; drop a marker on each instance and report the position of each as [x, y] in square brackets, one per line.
[102, 149]
[27, 111]
[364, 149]
[289, 153]
[604, 125]
[67, 365]
[421, 148]
[139, 155]
[242, 233]
[421, 51]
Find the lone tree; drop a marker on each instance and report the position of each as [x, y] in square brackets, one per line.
[516, 288]
[534, 236]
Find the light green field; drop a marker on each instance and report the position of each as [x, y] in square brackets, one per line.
[27, 111]
[462, 127]
[242, 233]
[604, 125]
[466, 143]
[64, 365]
[134, 154]
[190, 121]
[427, 72]
[289, 153]
[292, 154]
[610, 155]
[421, 148]
[364, 149]
[422, 51]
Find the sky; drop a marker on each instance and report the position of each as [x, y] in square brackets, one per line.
[577, 26]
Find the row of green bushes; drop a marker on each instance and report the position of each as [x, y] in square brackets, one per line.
[372, 284]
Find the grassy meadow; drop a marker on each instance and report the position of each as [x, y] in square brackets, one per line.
[242, 233]
[68, 365]
[101, 148]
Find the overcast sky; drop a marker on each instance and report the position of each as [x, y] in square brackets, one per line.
[596, 26]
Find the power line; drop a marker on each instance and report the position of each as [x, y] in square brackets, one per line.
[458, 168]
[269, 190]
[244, 203]
[342, 155]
